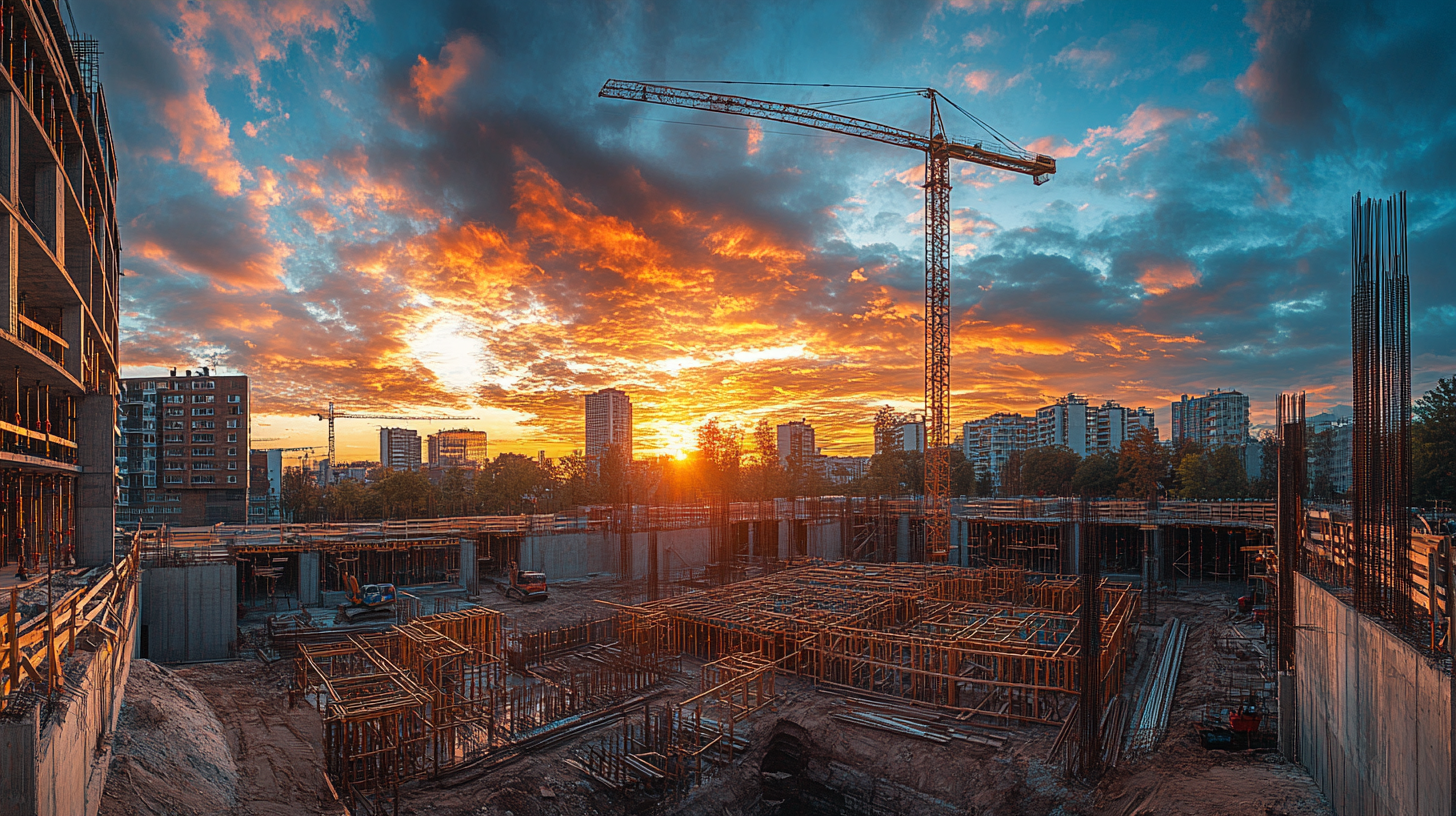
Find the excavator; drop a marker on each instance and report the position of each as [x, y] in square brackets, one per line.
[525, 585]
[372, 602]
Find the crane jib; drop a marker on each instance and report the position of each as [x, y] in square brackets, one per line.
[1038, 166]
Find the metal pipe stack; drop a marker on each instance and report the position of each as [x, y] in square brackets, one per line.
[1151, 721]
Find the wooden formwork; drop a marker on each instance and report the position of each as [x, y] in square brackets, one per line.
[992, 641]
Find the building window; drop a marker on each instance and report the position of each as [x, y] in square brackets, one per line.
[176, 412]
[174, 426]
[235, 410]
[203, 412]
[204, 466]
[232, 480]
[232, 465]
[233, 423]
[235, 397]
[172, 451]
[172, 398]
[203, 398]
[232, 451]
[202, 423]
[232, 437]
[202, 437]
[204, 480]
[176, 466]
[206, 384]
[172, 480]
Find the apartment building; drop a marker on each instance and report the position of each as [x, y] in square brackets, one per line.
[265, 486]
[608, 423]
[988, 443]
[457, 448]
[185, 460]
[1213, 420]
[796, 443]
[1075, 423]
[399, 448]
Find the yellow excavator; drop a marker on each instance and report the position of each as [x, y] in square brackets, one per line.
[370, 602]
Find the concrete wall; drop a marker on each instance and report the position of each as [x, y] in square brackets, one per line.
[191, 613]
[1374, 714]
[58, 771]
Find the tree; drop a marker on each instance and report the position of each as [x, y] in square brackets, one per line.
[888, 474]
[1322, 452]
[1266, 486]
[985, 484]
[1433, 445]
[1096, 476]
[962, 474]
[300, 496]
[720, 454]
[1213, 474]
[1010, 476]
[513, 484]
[765, 478]
[1186, 448]
[1049, 470]
[1142, 466]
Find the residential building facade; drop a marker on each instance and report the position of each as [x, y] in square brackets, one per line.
[1075, 423]
[988, 443]
[796, 444]
[265, 486]
[457, 448]
[608, 423]
[186, 449]
[908, 436]
[399, 448]
[845, 469]
[1213, 420]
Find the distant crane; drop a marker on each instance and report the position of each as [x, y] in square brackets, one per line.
[939, 149]
[332, 415]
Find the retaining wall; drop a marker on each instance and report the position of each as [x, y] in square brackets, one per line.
[1374, 714]
[59, 769]
[190, 613]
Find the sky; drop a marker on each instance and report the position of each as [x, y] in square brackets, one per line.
[424, 208]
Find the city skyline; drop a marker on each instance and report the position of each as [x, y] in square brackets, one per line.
[312, 207]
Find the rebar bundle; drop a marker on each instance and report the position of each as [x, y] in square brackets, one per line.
[1380, 346]
[1291, 517]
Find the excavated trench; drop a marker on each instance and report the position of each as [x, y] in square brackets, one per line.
[799, 779]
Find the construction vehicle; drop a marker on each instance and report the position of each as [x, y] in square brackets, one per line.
[524, 585]
[371, 602]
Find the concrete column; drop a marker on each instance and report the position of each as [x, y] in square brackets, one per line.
[96, 488]
[902, 538]
[1160, 565]
[308, 579]
[467, 567]
[1072, 548]
[10, 275]
[19, 749]
[9, 147]
[49, 216]
[1288, 723]
[752, 539]
[786, 539]
[73, 327]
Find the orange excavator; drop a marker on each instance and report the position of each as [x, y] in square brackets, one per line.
[525, 585]
[370, 602]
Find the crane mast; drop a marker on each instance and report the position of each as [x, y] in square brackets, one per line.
[939, 149]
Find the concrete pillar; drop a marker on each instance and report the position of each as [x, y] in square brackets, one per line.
[786, 539]
[96, 488]
[902, 538]
[1072, 548]
[10, 275]
[1160, 566]
[49, 217]
[752, 539]
[308, 579]
[19, 748]
[9, 147]
[1288, 723]
[468, 578]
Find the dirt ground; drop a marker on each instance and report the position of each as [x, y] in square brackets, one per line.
[568, 602]
[215, 738]
[276, 753]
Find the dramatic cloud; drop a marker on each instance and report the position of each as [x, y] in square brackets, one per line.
[405, 208]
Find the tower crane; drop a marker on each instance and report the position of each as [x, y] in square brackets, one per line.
[939, 148]
[333, 415]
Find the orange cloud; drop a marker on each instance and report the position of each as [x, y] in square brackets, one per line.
[203, 142]
[1162, 278]
[433, 84]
